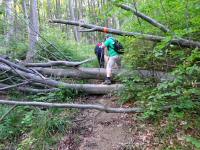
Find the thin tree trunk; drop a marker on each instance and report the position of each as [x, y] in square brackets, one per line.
[49, 9]
[71, 9]
[24, 7]
[34, 32]
[10, 20]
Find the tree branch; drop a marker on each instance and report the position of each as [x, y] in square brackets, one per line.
[144, 17]
[58, 63]
[9, 63]
[78, 106]
[14, 86]
[29, 90]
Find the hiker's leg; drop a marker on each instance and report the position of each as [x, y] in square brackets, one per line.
[99, 58]
[102, 60]
[109, 67]
[118, 62]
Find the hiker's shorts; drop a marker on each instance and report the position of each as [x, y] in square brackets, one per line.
[112, 61]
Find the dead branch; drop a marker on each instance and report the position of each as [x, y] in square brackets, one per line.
[58, 63]
[9, 63]
[155, 38]
[69, 105]
[13, 86]
[144, 17]
[28, 89]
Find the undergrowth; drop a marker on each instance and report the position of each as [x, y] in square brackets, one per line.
[34, 127]
[175, 100]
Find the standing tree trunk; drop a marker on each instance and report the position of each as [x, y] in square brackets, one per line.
[24, 7]
[71, 9]
[34, 31]
[58, 9]
[10, 20]
[49, 9]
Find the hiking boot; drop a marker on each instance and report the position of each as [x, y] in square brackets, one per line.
[107, 82]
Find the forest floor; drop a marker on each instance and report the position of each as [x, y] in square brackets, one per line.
[95, 130]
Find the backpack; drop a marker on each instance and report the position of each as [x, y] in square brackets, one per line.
[118, 47]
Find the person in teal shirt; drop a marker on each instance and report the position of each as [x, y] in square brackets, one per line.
[112, 57]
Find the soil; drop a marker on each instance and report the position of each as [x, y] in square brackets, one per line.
[94, 130]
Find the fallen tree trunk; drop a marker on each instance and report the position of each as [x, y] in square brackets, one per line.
[58, 63]
[68, 105]
[86, 88]
[144, 17]
[100, 73]
[155, 38]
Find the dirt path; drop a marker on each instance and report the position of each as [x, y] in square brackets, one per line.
[94, 130]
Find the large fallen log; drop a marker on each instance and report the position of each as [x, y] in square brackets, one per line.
[100, 73]
[155, 38]
[86, 88]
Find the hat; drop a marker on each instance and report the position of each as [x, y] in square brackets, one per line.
[108, 35]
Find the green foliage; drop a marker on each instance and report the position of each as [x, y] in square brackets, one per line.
[40, 124]
[63, 95]
[134, 89]
[193, 141]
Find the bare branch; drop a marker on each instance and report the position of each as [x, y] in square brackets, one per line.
[144, 17]
[14, 86]
[58, 63]
[9, 63]
[69, 105]
[29, 90]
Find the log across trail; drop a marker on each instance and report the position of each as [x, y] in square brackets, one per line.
[32, 75]
[27, 75]
[100, 73]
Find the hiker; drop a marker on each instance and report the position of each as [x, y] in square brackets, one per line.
[99, 51]
[113, 57]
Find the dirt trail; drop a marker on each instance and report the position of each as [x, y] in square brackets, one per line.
[94, 130]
